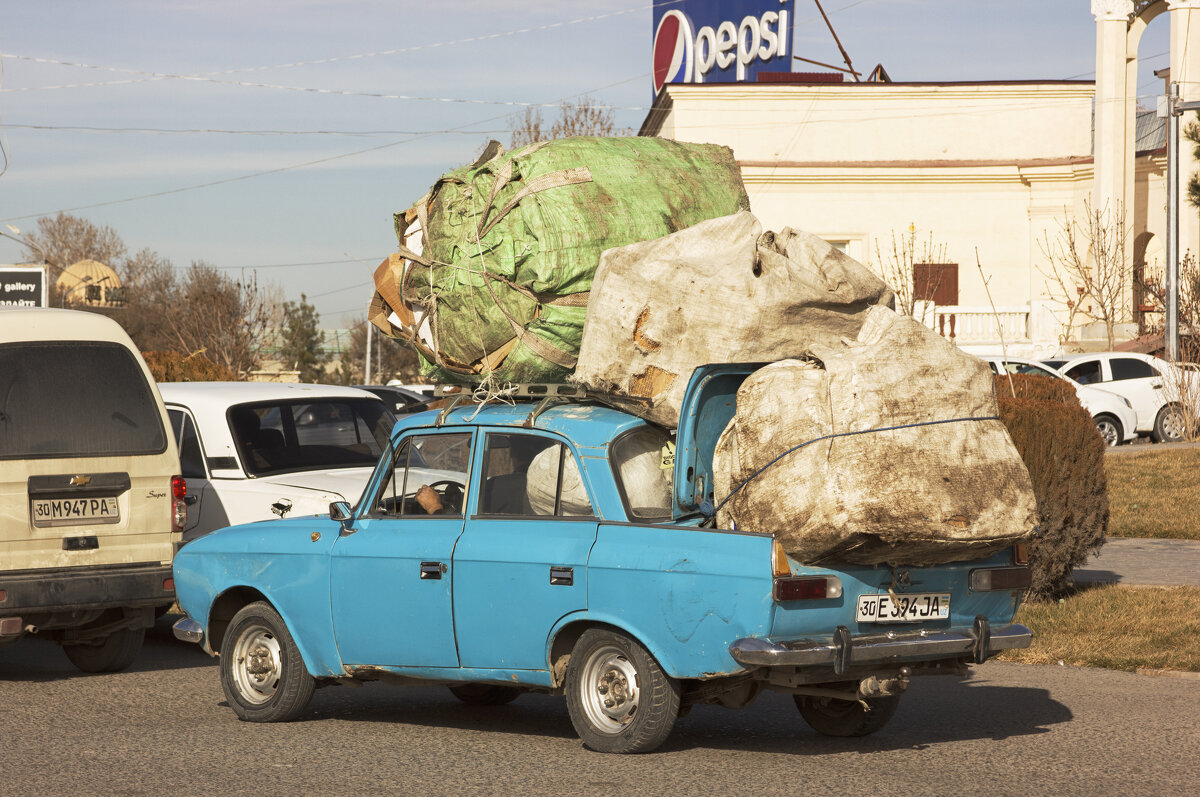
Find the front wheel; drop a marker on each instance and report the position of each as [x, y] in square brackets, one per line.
[1169, 426]
[832, 717]
[1109, 429]
[262, 674]
[114, 653]
[619, 699]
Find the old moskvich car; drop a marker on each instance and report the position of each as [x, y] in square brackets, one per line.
[565, 546]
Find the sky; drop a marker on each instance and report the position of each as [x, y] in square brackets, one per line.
[276, 138]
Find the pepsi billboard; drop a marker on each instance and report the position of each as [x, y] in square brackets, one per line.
[720, 41]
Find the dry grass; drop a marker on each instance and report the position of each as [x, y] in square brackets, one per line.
[1155, 493]
[1120, 628]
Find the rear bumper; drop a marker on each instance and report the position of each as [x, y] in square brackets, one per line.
[84, 588]
[842, 651]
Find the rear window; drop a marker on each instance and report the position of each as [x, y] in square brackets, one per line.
[75, 399]
[310, 435]
[644, 474]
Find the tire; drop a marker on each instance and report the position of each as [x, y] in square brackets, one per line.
[485, 694]
[115, 653]
[262, 673]
[609, 666]
[843, 718]
[1110, 430]
[1169, 426]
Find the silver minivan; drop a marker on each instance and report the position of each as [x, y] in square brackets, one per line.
[92, 506]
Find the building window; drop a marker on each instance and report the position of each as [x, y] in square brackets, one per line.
[936, 282]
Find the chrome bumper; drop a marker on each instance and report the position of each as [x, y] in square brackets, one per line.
[841, 650]
[188, 630]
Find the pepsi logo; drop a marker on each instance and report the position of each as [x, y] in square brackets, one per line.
[672, 50]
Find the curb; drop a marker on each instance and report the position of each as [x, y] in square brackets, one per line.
[1185, 674]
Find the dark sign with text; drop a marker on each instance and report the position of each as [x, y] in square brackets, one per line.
[22, 286]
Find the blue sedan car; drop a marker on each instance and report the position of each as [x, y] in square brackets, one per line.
[564, 546]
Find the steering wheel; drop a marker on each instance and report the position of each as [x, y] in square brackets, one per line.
[451, 492]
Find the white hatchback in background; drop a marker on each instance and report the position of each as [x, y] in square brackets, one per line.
[1114, 415]
[255, 451]
[1154, 387]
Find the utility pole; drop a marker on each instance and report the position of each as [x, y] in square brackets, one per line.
[367, 367]
[1173, 109]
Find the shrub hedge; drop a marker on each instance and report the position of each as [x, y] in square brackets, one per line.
[1064, 453]
[173, 366]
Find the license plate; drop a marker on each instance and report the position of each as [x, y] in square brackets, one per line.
[904, 608]
[72, 511]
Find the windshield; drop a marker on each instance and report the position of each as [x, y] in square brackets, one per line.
[643, 475]
[310, 435]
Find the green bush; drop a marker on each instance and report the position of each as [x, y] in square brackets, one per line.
[173, 366]
[1065, 456]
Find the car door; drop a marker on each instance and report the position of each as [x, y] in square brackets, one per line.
[1141, 383]
[391, 574]
[521, 563]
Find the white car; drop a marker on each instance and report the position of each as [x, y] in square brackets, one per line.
[1158, 391]
[256, 451]
[1114, 415]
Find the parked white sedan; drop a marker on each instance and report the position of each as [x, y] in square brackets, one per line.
[254, 451]
[1159, 391]
[1114, 416]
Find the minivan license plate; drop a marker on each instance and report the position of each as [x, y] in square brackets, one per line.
[903, 608]
[71, 511]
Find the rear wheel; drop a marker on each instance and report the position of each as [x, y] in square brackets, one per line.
[1169, 426]
[832, 717]
[114, 653]
[485, 694]
[1109, 429]
[619, 699]
[262, 674]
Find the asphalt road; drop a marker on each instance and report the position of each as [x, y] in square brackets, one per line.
[161, 728]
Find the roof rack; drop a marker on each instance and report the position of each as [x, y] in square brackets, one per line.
[546, 393]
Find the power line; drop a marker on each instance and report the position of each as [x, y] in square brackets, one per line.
[204, 130]
[334, 59]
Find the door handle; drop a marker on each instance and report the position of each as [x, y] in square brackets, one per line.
[432, 569]
[562, 576]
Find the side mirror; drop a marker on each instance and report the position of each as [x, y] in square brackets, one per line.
[339, 511]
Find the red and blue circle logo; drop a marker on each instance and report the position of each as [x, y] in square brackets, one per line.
[673, 45]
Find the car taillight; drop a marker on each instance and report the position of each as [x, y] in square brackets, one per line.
[179, 503]
[996, 579]
[1021, 553]
[807, 588]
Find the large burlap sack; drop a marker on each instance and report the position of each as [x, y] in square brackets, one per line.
[947, 486]
[720, 291]
[506, 248]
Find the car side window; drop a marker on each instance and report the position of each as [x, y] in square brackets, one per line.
[191, 456]
[1130, 368]
[1087, 373]
[428, 477]
[528, 475]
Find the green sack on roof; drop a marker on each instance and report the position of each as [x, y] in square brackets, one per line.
[510, 243]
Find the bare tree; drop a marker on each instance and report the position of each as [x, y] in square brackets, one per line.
[1087, 263]
[584, 117]
[390, 359]
[65, 240]
[228, 319]
[898, 269]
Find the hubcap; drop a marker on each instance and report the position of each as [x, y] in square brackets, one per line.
[610, 689]
[1108, 432]
[257, 664]
[1173, 426]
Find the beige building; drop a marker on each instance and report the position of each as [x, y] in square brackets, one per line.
[975, 178]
